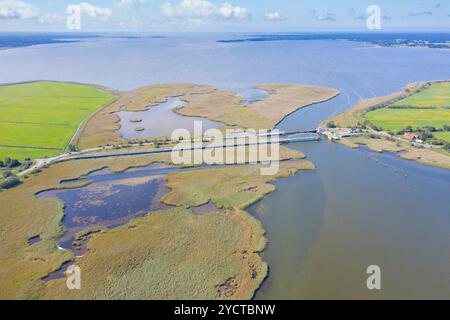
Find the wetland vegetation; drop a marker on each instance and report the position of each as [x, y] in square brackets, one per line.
[192, 239]
[143, 249]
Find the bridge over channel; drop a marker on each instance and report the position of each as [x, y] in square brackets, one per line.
[285, 137]
[301, 135]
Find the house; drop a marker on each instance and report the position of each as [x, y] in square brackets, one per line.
[410, 136]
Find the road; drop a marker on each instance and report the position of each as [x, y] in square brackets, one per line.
[381, 134]
[90, 153]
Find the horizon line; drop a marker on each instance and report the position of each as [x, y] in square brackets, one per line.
[267, 32]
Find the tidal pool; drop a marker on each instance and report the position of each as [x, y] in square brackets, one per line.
[205, 208]
[34, 240]
[249, 94]
[159, 121]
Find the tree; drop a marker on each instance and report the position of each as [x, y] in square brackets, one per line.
[26, 164]
[427, 129]
[425, 136]
[446, 128]
[10, 163]
[331, 125]
[447, 146]
[377, 128]
[72, 148]
[408, 129]
[7, 174]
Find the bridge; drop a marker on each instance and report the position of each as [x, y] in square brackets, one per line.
[299, 131]
[271, 133]
[292, 136]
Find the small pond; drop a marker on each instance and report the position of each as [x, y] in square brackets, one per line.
[159, 121]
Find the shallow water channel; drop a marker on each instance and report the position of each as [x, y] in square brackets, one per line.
[359, 208]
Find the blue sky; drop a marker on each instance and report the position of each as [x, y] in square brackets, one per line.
[228, 15]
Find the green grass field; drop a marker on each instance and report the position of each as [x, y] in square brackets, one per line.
[436, 95]
[443, 136]
[436, 99]
[39, 119]
[396, 119]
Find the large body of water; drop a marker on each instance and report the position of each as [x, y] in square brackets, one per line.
[324, 227]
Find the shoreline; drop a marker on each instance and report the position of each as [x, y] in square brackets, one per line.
[355, 116]
[404, 152]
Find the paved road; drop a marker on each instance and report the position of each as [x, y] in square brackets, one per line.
[65, 156]
[87, 153]
[387, 135]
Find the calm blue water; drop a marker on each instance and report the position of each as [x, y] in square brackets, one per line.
[153, 127]
[249, 95]
[354, 67]
[324, 227]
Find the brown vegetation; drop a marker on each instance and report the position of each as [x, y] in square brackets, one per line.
[203, 101]
[283, 99]
[101, 129]
[140, 255]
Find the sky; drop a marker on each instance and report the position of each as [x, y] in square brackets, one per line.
[222, 16]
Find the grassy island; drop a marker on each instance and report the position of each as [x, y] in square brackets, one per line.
[204, 101]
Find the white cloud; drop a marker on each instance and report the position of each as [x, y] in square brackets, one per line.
[364, 16]
[130, 3]
[240, 13]
[50, 18]
[327, 16]
[198, 9]
[274, 16]
[195, 22]
[16, 9]
[95, 12]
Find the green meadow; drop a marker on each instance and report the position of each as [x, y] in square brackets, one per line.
[443, 136]
[430, 107]
[39, 119]
[436, 95]
[397, 119]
